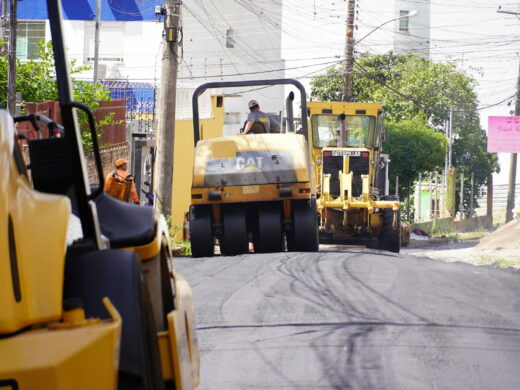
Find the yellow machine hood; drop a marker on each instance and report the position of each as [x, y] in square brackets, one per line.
[251, 160]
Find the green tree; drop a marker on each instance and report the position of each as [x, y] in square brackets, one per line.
[414, 147]
[36, 81]
[410, 87]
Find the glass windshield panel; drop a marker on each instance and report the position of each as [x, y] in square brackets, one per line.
[326, 130]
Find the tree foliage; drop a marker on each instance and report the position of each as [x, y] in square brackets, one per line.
[36, 81]
[411, 87]
[411, 138]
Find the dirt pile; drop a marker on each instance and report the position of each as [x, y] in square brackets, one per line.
[507, 237]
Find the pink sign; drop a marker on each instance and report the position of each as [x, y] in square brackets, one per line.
[503, 134]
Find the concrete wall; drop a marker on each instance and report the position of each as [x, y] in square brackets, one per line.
[448, 225]
[210, 127]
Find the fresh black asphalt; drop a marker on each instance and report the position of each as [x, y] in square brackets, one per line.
[354, 319]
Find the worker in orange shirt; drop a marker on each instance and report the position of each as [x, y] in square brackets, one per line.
[121, 174]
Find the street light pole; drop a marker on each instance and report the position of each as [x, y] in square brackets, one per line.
[349, 53]
[349, 47]
[11, 72]
[96, 41]
[512, 160]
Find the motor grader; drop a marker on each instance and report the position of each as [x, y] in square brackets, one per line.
[347, 144]
[88, 295]
[252, 188]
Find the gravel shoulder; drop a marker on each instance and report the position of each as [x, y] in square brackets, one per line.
[467, 252]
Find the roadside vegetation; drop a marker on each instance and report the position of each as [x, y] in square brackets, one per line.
[36, 81]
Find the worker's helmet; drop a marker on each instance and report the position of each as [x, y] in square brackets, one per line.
[252, 104]
[120, 161]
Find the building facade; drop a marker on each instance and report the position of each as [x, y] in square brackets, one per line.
[221, 40]
[412, 34]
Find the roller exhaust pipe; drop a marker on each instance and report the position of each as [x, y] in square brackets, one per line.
[290, 115]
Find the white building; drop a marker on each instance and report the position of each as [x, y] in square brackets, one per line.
[234, 41]
[412, 34]
[221, 41]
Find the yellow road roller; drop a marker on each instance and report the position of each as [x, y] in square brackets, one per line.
[252, 188]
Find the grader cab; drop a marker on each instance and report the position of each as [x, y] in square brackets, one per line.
[351, 175]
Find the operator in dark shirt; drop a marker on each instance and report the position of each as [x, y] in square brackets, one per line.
[255, 117]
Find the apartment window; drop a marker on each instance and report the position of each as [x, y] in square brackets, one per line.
[403, 22]
[28, 34]
[230, 42]
[112, 42]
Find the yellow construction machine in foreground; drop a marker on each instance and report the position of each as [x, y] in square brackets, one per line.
[252, 188]
[89, 298]
[351, 175]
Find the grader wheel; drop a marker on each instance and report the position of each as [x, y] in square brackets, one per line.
[390, 235]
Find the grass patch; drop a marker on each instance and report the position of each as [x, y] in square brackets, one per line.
[182, 248]
[500, 262]
[179, 247]
[466, 236]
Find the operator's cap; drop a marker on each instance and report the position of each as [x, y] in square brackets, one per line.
[252, 103]
[120, 161]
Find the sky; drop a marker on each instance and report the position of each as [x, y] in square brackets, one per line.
[470, 33]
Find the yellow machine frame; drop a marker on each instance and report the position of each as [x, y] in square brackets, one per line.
[361, 214]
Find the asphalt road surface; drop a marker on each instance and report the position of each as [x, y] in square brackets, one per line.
[354, 319]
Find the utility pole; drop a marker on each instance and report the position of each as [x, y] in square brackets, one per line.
[349, 53]
[461, 203]
[472, 184]
[96, 41]
[4, 28]
[512, 160]
[489, 212]
[167, 94]
[11, 73]
[450, 139]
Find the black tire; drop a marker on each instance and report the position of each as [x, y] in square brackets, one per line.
[304, 234]
[268, 237]
[390, 238]
[234, 240]
[390, 197]
[118, 275]
[201, 231]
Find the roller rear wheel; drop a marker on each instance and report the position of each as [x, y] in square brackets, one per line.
[268, 237]
[304, 235]
[234, 240]
[201, 232]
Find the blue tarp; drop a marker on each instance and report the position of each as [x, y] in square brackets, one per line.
[111, 10]
[139, 97]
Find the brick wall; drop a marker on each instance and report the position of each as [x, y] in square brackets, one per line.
[109, 154]
[112, 134]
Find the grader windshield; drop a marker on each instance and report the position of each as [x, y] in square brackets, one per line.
[360, 130]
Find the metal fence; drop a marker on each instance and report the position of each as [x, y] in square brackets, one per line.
[140, 98]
